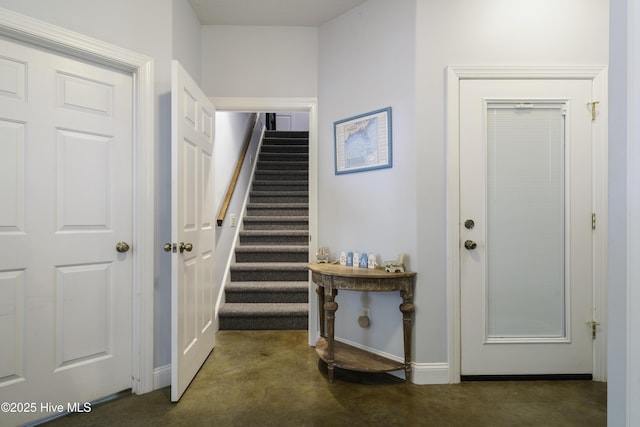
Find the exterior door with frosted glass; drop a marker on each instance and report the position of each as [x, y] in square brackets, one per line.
[525, 227]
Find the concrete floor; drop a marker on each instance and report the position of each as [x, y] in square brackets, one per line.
[271, 378]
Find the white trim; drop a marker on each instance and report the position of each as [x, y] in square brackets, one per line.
[601, 209]
[598, 74]
[422, 373]
[32, 31]
[309, 105]
[430, 373]
[162, 376]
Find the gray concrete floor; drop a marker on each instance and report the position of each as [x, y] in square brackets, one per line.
[272, 378]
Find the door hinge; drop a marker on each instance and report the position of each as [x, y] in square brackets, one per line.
[593, 104]
[594, 327]
[593, 221]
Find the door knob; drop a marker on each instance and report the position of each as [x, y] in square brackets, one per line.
[168, 247]
[185, 247]
[470, 244]
[122, 247]
[469, 224]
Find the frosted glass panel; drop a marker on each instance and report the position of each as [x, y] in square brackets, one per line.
[526, 221]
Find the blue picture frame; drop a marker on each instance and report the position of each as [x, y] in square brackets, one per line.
[363, 142]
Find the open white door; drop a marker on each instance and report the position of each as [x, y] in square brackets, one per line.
[193, 232]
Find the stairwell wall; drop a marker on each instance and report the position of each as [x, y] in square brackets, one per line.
[230, 132]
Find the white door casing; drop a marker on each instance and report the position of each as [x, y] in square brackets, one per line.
[193, 232]
[66, 156]
[525, 179]
[598, 76]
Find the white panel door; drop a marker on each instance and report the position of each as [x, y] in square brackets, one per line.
[193, 232]
[65, 191]
[525, 227]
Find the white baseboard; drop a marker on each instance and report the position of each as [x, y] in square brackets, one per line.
[162, 376]
[430, 373]
[423, 373]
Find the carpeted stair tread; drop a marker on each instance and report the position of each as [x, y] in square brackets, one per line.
[267, 286]
[273, 248]
[279, 193]
[264, 309]
[269, 233]
[276, 218]
[272, 205]
[272, 253]
[270, 266]
[284, 156]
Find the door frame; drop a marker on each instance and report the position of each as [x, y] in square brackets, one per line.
[598, 76]
[309, 105]
[38, 33]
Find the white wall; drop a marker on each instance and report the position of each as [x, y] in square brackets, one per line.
[232, 129]
[471, 32]
[366, 62]
[243, 61]
[390, 53]
[186, 38]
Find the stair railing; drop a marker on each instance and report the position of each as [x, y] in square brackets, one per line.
[234, 179]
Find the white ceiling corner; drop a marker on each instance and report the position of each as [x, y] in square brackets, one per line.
[294, 13]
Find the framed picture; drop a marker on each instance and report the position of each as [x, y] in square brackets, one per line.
[363, 142]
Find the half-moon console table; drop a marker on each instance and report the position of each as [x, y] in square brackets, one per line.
[332, 277]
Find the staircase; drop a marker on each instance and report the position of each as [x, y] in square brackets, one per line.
[268, 286]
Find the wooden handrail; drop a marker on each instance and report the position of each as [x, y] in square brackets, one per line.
[236, 174]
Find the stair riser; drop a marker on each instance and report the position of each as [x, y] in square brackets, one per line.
[286, 134]
[283, 157]
[263, 323]
[277, 212]
[278, 199]
[274, 240]
[285, 149]
[278, 166]
[265, 297]
[281, 175]
[268, 276]
[276, 226]
[272, 257]
[284, 186]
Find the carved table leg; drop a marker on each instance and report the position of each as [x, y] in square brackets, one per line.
[330, 308]
[407, 308]
[320, 292]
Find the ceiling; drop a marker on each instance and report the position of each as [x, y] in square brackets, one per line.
[296, 13]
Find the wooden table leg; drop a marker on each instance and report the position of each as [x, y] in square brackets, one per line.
[330, 308]
[407, 308]
[320, 292]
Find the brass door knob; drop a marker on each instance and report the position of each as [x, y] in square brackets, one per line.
[122, 247]
[470, 244]
[185, 247]
[168, 247]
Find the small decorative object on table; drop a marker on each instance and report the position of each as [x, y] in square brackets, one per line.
[322, 256]
[396, 266]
